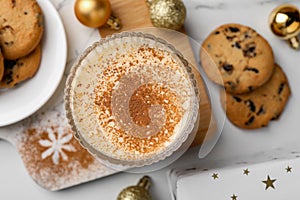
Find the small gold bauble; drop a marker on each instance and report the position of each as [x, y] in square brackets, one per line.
[92, 13]
[167, 13]
[138, 192]
[95, 13]
[285, 23]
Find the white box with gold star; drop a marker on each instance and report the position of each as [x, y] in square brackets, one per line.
[276, 180]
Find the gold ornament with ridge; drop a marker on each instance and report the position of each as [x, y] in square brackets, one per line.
[284, 22]
[137, 192]
[169, 14]
[96, 13]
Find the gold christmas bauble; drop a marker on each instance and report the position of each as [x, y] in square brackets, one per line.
[134, 193]
[92, 13]
[137, 192]
[167, 13]
[285, 23]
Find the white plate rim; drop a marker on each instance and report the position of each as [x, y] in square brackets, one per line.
[50, 16]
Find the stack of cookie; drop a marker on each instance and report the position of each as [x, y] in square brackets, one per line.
[239, 59]
[21, 30]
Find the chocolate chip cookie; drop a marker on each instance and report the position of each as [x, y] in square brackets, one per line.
[21, 27]
[255, 109]
[16, 71]
[237, 57]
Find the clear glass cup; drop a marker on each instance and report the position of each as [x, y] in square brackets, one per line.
[131, 99]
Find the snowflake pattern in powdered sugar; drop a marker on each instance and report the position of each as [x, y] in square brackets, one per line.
[56, 144]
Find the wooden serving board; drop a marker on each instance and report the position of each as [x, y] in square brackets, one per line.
[134, 16]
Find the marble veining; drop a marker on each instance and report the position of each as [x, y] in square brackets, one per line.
[206, 6]
[202, 17]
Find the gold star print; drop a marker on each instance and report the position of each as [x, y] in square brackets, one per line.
[269, 182]
[215, 175]
[288, 169]
[246, 171]
[234, 197]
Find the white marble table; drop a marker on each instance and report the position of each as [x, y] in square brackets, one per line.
[233, 146]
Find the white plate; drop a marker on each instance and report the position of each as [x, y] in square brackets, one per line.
[25, 99]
